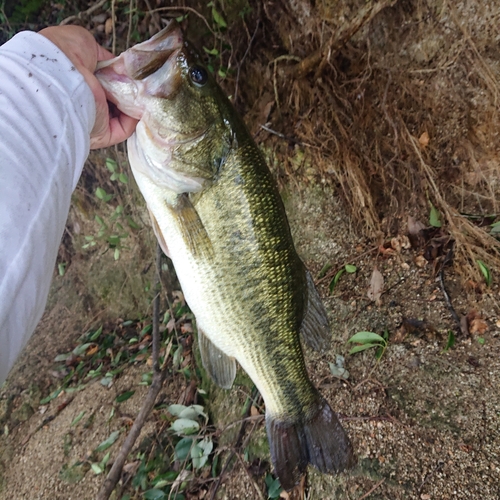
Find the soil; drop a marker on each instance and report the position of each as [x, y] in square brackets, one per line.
[425, 417]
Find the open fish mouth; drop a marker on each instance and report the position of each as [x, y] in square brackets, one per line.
[148, 68]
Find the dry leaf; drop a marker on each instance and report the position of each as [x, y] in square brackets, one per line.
[376, 286]
[254, 411]
[478, 326]
[424, 139]
[414, 226]
[420, 261]
[92, 350]
[386, 252]
[108, 26]
[187, 327]
[396, 244]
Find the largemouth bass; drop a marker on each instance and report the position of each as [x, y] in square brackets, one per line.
[218, 215]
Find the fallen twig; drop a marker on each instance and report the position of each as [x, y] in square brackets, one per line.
[158, 377]
[243, 59]
[84, 13]
[368, 493]
[237, 445]
[447, 298]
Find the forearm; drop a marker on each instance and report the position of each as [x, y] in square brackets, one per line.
[46, 114]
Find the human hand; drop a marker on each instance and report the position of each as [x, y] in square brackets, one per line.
[84, 52]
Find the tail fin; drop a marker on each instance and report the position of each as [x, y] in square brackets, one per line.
[318, 439]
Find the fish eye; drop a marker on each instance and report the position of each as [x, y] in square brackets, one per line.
[198, 75]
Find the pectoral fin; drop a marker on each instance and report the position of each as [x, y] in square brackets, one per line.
[220, 367]
[158, 233]
[315, 328]
[192, 228]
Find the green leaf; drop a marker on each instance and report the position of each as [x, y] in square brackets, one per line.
[486, 272]
[100, 221]
[481, 340]
[495, 228]
[212, 52]
[451, 341]
[324, 270]
[124, 396]
[132, 224]
[192, 412]
[350, 268]
[435, 217]
[218, 18]
[116, 254]
[96, 334]
[123, 178]
[364, 347]
[366, 337]
[80, 349]
[106, 381]
[176, 410]
[61, 268]
[222, 72]
[335, 280]
[78, 418]
[338, 371]
[63, 357]
[154, 494]
[108, 442]
[110, 164]
[105, 460]
[96, 468]
[182, 448]
[100, 193]
[185, 426]
[274, 488]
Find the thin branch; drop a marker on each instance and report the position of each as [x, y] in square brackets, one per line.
[189, 9]
[252, 480]
[243, 59]
[153, 17]
[156, 385]
[368, 493]
[237, 445]
[83, 14]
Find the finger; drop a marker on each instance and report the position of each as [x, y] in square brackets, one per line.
[103, 54]
[119, 129]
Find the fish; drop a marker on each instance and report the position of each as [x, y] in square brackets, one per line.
[217, 213]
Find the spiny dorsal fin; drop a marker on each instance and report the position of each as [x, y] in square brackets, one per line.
[220, 367]
[192, 228]
[315, 328]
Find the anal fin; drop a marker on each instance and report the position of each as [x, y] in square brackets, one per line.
[315, 328]
[220, 367]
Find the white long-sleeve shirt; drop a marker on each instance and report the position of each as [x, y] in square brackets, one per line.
[47, 112]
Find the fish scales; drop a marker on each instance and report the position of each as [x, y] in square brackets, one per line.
[217, 213]
[264, 266]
